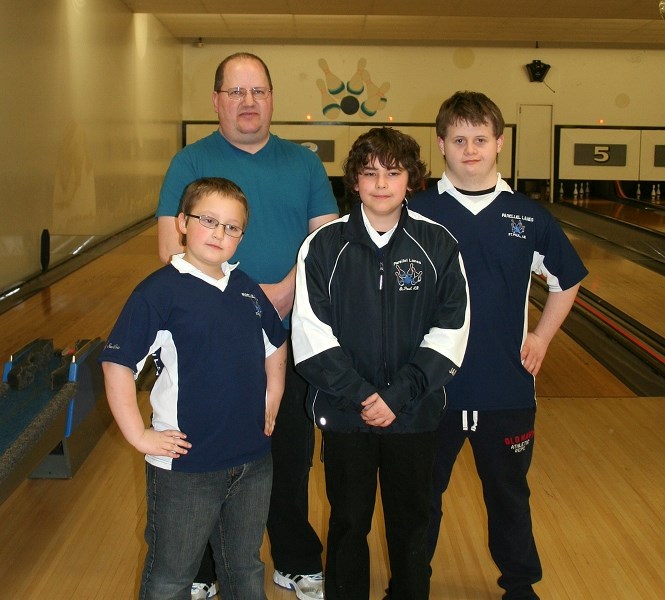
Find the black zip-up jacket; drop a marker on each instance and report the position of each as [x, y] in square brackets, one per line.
[392, 320]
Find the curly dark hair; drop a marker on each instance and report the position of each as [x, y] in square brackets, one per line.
[391, 148]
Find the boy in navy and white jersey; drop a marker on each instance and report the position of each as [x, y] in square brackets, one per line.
[218, 344]
[289, 195]
[504, 237]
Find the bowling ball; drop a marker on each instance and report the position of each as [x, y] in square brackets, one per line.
[350, 105]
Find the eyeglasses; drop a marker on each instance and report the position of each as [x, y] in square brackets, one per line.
[238, 93]
[212, 223]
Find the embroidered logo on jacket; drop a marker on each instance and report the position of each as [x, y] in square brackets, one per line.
[255, 300]
[410, 278]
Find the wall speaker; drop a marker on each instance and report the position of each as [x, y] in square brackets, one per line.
[537, 70]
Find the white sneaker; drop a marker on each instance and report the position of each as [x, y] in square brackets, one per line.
[306, 587]
[201, 591]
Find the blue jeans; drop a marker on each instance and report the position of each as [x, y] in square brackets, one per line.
[186, 510]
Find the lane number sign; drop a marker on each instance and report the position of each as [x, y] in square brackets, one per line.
[601, 155]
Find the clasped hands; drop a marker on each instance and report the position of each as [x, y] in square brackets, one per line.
[376, 412]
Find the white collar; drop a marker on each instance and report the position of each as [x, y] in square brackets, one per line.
[379, 239]
[474, 204]
[179, 262]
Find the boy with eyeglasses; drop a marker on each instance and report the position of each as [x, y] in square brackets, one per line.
[380, 325]
[289, 195]
[219, 347]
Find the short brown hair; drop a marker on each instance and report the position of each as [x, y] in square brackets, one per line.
[474, 108]
[201, 188]
[219, 73]
[391, 148]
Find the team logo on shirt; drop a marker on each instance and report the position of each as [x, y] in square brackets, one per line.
[255, 300]
[517, 228]
[517, 225]
[410, 278]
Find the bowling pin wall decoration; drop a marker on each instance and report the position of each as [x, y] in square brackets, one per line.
[329, 105]
[334, 83]
[375, 102]
[359, 95]
[355, 85]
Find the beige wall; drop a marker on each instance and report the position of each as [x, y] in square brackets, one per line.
[90, 111]
[623, 87]
[582, 87]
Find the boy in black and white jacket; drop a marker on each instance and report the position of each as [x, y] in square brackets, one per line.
[380, 325]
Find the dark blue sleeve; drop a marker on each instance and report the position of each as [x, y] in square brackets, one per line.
[134, 333]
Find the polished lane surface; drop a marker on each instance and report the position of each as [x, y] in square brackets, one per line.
[597, 482]
[648, 216]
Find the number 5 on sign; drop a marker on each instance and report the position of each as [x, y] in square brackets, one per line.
[601, 154]
[595, 154]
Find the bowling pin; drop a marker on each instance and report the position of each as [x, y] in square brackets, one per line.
[372, 88]
[653, 191]
[658, 192]
[329, 105]
[586, 190]
[334, 83]
[355, 85]
[575, 192]
[638, 194]
[561, 190]
[375, 102]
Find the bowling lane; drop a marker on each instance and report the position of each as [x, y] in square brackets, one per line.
[569, 371]
[84, 304]
[648, 217]
[87, 541]
[633, 289]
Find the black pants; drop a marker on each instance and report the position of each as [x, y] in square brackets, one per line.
[404, 466]
[295, 546]
[502, 445]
